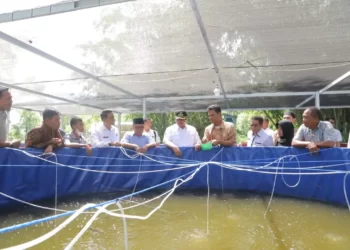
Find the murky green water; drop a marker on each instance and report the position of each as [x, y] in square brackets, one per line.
[235, 222]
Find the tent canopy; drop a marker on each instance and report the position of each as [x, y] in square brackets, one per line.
[164, 55]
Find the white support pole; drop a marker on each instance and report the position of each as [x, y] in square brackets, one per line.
[332, 84]
[62, 63]
[317, 100]
[120, 123]
[203, 31]
[144, 108]
[11, 86]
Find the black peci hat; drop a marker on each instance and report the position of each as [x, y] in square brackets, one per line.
[138, 121]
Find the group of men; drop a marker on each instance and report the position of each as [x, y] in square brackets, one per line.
[314, 133]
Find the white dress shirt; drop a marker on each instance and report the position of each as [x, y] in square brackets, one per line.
[269, 131]
[153, 135]
[102, 136]
[261, 139]
[182, 137]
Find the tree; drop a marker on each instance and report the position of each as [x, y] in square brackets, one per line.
[28, 121]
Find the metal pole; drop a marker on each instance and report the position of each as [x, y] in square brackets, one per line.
[317, 100]
[199, 19]
[144, 108]
[336, 81]
[62, 63]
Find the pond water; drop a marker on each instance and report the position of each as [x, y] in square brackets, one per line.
[236, 221]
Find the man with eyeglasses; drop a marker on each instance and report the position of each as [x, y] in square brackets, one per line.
[136, 139]
[257, 137]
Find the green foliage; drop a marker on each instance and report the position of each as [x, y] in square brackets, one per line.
[162, 121]
[28, 121]
[243, 120]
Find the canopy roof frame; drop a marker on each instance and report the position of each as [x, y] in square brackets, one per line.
[323, 90]
[204, 34]
[48, 95]
[80, 4]
[60, 62]
[54, 9]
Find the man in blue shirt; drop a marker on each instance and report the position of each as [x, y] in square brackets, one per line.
[136, 139]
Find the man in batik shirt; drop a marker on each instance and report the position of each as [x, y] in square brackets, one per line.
[47, 136]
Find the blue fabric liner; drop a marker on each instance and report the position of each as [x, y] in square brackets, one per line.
[32, 179]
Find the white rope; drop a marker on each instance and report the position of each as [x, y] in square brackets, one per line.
[345, 192]
[126, 241]
[137, 178]
[86, 227]
[51, 233]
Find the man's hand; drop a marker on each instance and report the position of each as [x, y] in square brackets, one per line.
[49, 149]
[15, 144]
[177, 151]
[140, 150]
[215, 142]
[55, 141]
[312, 147]
[114, 144]
[197, 147]
[88, 149]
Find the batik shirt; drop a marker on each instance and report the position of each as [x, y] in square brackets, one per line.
[41, 136]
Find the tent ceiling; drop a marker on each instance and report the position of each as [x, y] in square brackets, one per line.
[154, 49]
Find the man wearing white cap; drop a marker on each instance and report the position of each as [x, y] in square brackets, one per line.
[181, 134]
[5, 106]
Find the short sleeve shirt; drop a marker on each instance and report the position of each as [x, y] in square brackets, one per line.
[323, 132]
[182, 137]
[261, 139]
[338, 137]
[102, 136]
[72, 138]
[153, 135]
[141, 141]
[4, 126]
[226, 132]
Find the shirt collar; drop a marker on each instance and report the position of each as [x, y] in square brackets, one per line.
[105, 128]
[318, 126]
[133, 134]
[47, 128]
[181, 128]
[259, 133]
[222, 125]
[73, 135]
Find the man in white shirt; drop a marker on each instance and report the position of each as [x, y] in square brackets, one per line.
[338, 138]
[266, 124]
[5, 106]
[181, 135]
[105, 134]
[152, 134]
[257, 137]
